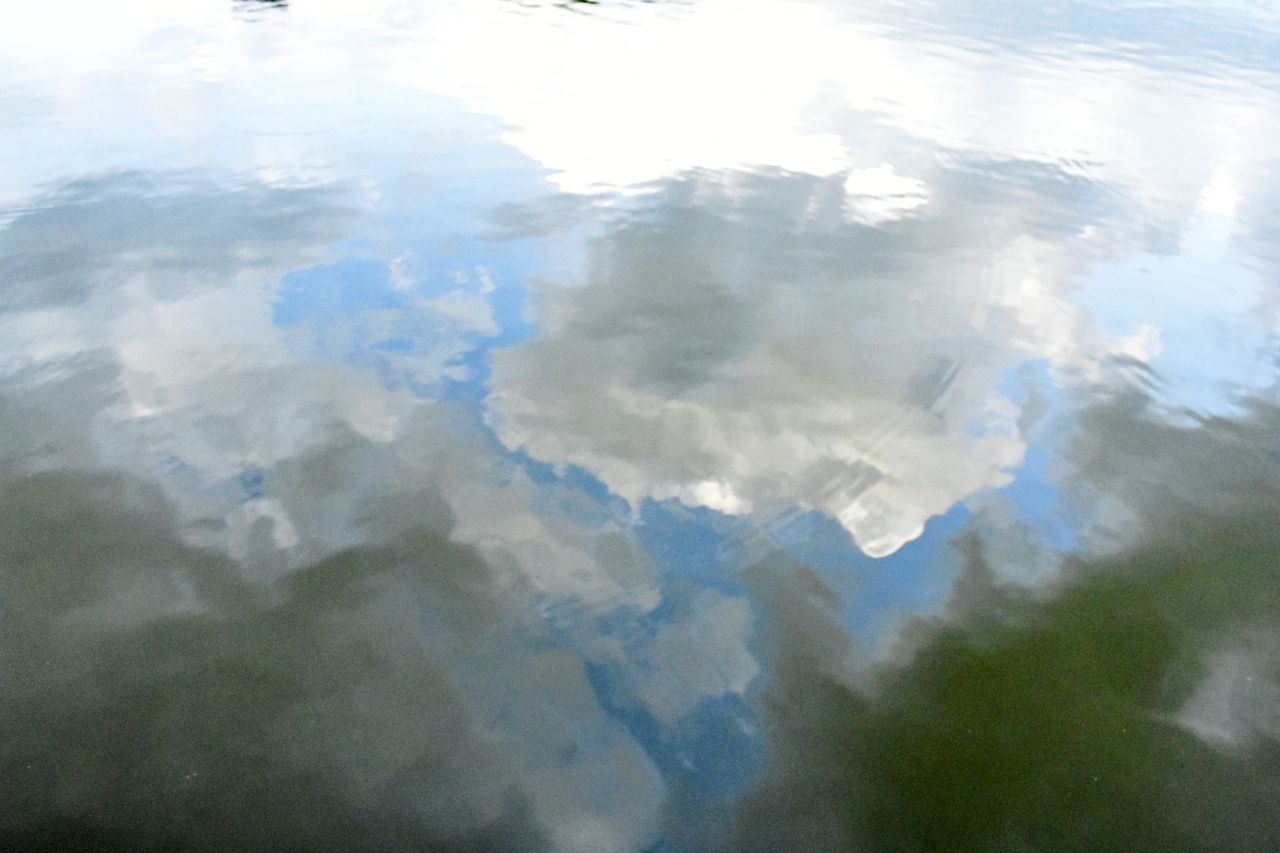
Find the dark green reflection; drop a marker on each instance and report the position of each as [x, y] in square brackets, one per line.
[1087, 717]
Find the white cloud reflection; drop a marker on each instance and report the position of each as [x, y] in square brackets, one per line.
[754, 350]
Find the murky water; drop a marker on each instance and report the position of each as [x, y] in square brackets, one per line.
[666, 426]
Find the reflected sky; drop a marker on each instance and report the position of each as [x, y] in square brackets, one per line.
[639, 426]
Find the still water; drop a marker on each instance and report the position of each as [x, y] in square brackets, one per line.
[621, 426]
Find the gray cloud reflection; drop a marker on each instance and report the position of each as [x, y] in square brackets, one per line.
[272, 602]
[741, 343]
[174, 236]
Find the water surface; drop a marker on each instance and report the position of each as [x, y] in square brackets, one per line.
[620, 426]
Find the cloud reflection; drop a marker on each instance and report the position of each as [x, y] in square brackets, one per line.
[740, 344]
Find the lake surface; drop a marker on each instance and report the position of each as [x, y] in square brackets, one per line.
[640, 426]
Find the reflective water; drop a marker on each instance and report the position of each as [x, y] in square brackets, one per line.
[664, 426]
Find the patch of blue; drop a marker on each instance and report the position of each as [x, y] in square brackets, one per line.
[584, 481]
[679, 542]
[719, 754]
[712, 752]
[252, 480]
[473, 389]
[572, 477]
[875, 592]
[1038, 502]
[333, 292]
[393, 345]
[539, 472]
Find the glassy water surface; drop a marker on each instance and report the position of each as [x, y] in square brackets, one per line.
[665, 426]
